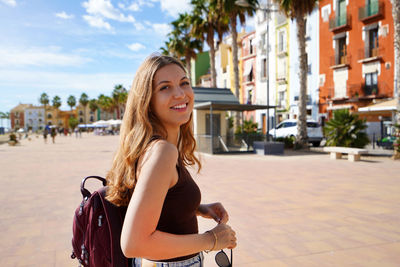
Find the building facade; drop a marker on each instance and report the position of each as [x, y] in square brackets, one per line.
[17, 116]
[34, 118]
[265, 64]
[356, 56]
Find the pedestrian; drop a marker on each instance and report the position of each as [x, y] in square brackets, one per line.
[53, 134]
[149, 173]
[76, 132]
[45, 133]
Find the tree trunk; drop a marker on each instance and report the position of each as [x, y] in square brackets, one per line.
[301, 137]
[188, 67]
[210, 42]
[396, 22]
[235, 64]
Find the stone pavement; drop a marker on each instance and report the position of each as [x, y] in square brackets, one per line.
[292, 210]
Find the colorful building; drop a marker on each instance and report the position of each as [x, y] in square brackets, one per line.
[282, 40]
[17, 116]
[265, 65]
[356, 56]
[249, 73]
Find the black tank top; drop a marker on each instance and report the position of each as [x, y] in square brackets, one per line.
[178, 215]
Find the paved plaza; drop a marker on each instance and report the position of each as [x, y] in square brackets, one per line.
[300, 209]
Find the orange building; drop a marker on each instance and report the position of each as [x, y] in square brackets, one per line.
[356, 54]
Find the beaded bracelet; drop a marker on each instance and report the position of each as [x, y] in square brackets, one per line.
[215, 241]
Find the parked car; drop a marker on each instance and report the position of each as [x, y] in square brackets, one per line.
[288, 128]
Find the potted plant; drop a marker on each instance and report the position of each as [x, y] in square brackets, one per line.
[13, 140]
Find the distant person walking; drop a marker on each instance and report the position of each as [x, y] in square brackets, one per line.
[53, 134]
[45, 133]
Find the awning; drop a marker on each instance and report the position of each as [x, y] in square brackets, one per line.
[339, 107]
[248, 66]
[230, 106]
[389, 105]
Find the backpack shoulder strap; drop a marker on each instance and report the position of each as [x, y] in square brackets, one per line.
[115, 217]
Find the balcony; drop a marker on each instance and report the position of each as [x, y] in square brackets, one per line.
[370, 90]
[339, 23]
[370, 54]
[371, 11]
[340, 61]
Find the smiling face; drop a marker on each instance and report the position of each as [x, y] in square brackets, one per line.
[173, 97]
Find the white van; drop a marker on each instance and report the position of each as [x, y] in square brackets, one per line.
[288, 128]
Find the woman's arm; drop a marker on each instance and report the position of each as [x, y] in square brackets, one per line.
[139, 237]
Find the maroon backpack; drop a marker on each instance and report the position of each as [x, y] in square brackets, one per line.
[97, 229]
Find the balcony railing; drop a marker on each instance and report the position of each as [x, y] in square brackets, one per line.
[370, 89]
[340, 61]
[369, 54]
[339, 22]
[371, 11]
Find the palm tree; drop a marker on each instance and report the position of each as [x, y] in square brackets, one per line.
[346, 129]
[44, 100]
[71, 101]
[297, 9]
[181, 41]
[4, 115]
[84, 100]
[93, 105]
[206, 19]
[235, 11]
[57, 104]
[165, 49]
[117, 97]
[105, 103]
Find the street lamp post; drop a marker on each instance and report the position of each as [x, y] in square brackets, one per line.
[268, 10]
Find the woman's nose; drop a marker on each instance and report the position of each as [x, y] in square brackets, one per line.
[178, 92]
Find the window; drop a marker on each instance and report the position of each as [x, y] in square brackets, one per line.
[91, 119]
[80, 120]
[373, 43]
[341, 51]
[80, 112]
[251, 46]
[49, 116]
[282, 42]
[281, 99]
[250, 76]
[341, 13]
[371, 83]
[263, 39]
[249, 96]
[264, 68]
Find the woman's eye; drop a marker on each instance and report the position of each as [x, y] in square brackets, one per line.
[185, 83]
[164, 87]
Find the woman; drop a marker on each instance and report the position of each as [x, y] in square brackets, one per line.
[149, 175]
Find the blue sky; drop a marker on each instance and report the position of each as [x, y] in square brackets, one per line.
[68, 47]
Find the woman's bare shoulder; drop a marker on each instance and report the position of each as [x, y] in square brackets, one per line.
[161, 150]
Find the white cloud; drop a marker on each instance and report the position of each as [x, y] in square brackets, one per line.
[136, 47]
[104, 9]
[162, 28]
[134, 7]
[97, 22]
[9, 2]
[38, 56]
[64, 15]
[173, 7]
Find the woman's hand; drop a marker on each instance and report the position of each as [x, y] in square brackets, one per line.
[225, 237]
[213, 211]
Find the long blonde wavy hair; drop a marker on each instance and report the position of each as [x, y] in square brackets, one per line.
[139, 125]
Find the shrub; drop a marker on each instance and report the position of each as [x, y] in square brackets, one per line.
[345, 129]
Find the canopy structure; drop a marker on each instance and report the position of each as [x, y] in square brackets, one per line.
[389, 105]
